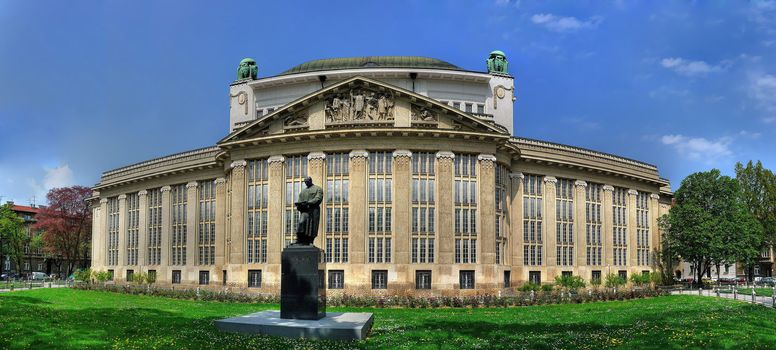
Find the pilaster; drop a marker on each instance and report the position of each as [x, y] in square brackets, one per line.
[402, 219]
[220, 222]
[357, 204]
[122, 256]
[631, 232]
[487, 216]
[550, 242]
[607, 226]
[516, 224]
[164, 256]
[237, 234]
[580, 221]
[275, 209]
[142, 227]
[103, 236]
[654, 235]
[192, 203]
[315, 170]
[444, 208]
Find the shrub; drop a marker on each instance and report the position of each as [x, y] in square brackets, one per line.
[547, 287]
[656, 278]
[639, 279]
[140, 278]
[595, 282]
[83, 275]
[529, 287]
[101, 276]
[570, 282]
[614, 281]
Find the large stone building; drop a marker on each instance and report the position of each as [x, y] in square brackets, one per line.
[426, 187]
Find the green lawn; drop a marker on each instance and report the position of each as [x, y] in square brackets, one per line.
[72, 319]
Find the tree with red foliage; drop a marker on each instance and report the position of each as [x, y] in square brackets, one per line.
[67, 224]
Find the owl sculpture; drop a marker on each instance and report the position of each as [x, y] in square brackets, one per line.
[247, 70]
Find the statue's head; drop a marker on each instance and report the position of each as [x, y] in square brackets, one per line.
[247, 62]
[308, 181]
[247, 69]
[498, 55]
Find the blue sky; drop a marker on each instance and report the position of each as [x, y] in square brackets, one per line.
[89, 86]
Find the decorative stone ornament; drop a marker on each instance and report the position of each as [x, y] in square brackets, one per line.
[497, 62]
[248, 70]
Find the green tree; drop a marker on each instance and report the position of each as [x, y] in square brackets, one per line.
[758, 192]
[709, 224]
[13, 235]
[614, 281]
[570, 282]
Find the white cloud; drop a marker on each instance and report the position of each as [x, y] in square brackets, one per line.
[762, 88]
[60, 176]
[515, 3]
[699, 148]
[689, 68]
[564, 24]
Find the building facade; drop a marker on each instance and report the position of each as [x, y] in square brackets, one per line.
[425, 188]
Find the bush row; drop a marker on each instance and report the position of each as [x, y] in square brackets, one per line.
[517, 299]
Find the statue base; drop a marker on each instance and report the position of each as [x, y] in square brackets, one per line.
[302, 294]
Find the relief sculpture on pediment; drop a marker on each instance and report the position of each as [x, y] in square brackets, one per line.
[359, 105]
[423, 114]
[295, 121]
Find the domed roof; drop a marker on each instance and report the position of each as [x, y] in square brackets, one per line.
[371, 62]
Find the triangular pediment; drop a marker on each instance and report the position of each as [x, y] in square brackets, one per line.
[360, 102]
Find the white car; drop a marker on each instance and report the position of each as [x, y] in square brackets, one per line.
[38, 276]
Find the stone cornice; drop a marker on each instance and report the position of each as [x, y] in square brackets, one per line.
[402, 153]
[192, 184]
[316, 155]
[609, 188]
[276, 159]
[580, 183]
[165, 189]
[197, 154]
[359, 154]
[238, 163]
[633, 192]
[516, 175]
[486, 157]
[445, 154]
[550, 179]
[547, 144]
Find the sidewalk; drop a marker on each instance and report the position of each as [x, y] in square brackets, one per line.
[3, 290]
[765, 301]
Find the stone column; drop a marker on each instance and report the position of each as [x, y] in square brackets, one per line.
[102, 238]
[401, 210]
[142, 227]
[122, 257]
[550, 241]
[487, 216]
[516, 224]
[220, 222]
[445, 237]
[192, 244]
[632, 260]
[357, 203]
[654, 214]
[164, 256]
[580, 223]
[277, 185]
[237, 236]
[607, 226]
[315, 169]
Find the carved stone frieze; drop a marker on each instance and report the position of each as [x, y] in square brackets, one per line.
[359, 104]
[298, 120]
[423, 114]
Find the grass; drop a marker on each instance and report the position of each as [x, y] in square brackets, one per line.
[74, 319]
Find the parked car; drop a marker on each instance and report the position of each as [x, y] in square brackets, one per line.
[768, 281]
[9, 276]
[38, 276]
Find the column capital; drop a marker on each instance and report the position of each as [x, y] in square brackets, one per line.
[633, 192]
[580, 183]
[122, 197]
[517, 175]
[654, 196]
[104, 201]
[220, 181]
[402, 153]
[445, 154]
[276, 159]
[165, 189]
[609, 188]
[550, 179]
[486, 157]
[316, 155]
[142, 193]
[192, 184]
[238, 163]
[359, 154]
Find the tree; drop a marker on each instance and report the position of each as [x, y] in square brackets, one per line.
[67, 223]
[614, 281]
[571, 283]
[758, 192]
[709, 225]
[13, 235]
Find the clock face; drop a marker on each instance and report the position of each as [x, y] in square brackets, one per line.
[500, 92]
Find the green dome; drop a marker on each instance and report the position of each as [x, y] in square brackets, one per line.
[371, 62]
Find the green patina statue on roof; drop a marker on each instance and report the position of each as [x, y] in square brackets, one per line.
[497, 62]
[247, 70]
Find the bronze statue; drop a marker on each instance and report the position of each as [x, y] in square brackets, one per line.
[309, 207]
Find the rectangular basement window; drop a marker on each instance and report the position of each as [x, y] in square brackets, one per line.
[254, 278]
[176, 276]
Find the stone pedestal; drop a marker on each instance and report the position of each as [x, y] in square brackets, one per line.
[302, 297]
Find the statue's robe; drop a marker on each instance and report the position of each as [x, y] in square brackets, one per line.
[309, 206]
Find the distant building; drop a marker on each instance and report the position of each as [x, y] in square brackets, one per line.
[34, 260]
